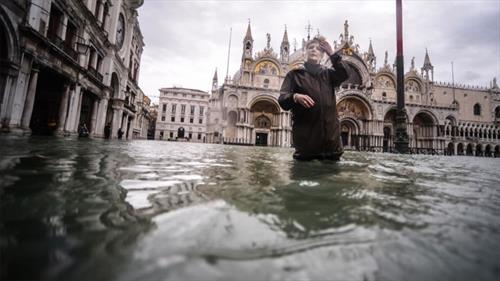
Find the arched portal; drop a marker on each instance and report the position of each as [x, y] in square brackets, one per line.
[469, 151]
[450, 150]
[460, 149]
[264, 118]
[479, 150]
[424, 129]
[487, 151]
[354, 112]
[231, 130]
[349, 132]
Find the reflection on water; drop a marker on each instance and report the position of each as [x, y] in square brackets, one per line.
[146, 210]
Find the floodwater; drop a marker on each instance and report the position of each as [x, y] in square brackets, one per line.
[148, 210]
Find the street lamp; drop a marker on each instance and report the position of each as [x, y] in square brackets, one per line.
[81, 46]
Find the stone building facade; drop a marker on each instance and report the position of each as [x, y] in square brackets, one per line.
[442, 118]
[68, 63]
[182, 115]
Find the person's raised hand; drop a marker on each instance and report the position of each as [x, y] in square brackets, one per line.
[325, 46]
[304, 100]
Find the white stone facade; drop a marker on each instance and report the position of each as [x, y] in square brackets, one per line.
[442, 118]
[182, 115]
[71, 63]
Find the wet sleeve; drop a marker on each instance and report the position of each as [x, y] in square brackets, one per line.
[286, 93]
[339, 73]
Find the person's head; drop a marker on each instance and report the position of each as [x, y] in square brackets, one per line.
[314, 51]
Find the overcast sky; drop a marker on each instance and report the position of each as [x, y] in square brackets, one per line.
[186, 40]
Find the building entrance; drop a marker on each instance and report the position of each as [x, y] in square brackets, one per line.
[261, 139]
[49, 90]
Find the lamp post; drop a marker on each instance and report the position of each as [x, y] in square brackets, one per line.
[401, 138]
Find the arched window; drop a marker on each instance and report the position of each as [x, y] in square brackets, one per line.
[497, 112]
[266, 83]
[477, 109]
[384, 95]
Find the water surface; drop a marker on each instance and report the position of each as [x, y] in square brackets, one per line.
[148, 210]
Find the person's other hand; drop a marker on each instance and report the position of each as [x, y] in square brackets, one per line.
[336, 58]
[304, 100]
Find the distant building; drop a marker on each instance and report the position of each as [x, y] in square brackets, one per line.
[443, 118]
[182, 115]
[69, 63]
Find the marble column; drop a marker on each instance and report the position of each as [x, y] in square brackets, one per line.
[78, 109]
[63, 109]
[93, 119]
[30, 99]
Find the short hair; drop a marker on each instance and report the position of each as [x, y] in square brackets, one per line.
[316, 39]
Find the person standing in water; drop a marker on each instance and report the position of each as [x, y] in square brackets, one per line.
[309, 92]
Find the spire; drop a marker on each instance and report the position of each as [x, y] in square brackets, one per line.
[285, 37]
[285, 47]
[247, 44]
[371, 60]
[370, 50]
[215, 75]
[427, 61]
[248, 36]
[215, 82]
[427, 67]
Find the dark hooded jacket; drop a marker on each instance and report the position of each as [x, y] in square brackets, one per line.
[316, 130]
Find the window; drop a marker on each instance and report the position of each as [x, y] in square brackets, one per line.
[164, 107]
[190, 135]
[497, 112]
[192, 109]
[171, 134]
[183, 108]
[161, 135]
[182, 119]
[477, 109]
[191, 120]
[172, 119]
[201, 110]
[174, 107]
[199, 136]
[266, 83]
[384, 95]
[163, 118]
[200, 121]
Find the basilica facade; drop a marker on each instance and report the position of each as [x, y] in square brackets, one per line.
[442, 118]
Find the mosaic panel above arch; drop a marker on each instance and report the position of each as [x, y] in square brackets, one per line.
[266, 67]
[353, 107]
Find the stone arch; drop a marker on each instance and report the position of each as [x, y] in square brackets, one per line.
[355, 106]
[450, 150]
[450, 126]
[356, 68]
[460, 149]
[9, 49]
[231, 130]
[415, 88]
[424, 131]
[487, 151]
[479, 149]
[349, 132]
[265, 109]
[232, 101]
[115, 85]
[385, 80]
[469, 150]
